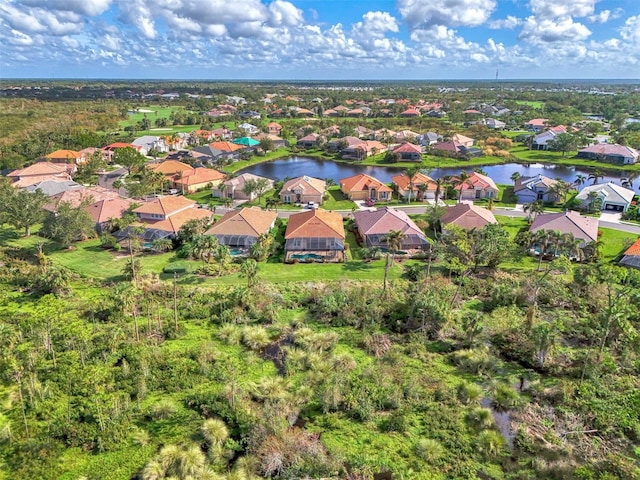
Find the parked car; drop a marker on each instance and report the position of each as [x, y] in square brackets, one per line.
[311, 205]
[370, 202]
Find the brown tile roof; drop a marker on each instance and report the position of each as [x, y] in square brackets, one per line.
[39, 169]
[170, 167]
[583, 228]
[383, 220]
[200, 175]
[247, 221]
[65, 154]
[477, 180]
[77, 196]
[468, 216]
[361, 182]
[165, 205]
[308, 185]
[175, 221]
[226, 146]
[107, 209]
[407, 148]
[402, 181]
[316, 223]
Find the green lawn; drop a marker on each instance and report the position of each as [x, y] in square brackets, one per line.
[337, 200]
[533, 104]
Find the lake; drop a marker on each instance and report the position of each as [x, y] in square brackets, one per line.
[313, 167]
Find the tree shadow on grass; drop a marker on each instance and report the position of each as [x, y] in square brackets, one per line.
[356, 266]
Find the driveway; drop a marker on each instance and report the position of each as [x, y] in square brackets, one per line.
[610, 217]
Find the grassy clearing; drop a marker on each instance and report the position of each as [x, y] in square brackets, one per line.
[533, 104]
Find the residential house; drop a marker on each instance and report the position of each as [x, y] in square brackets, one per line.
[80, 196]
[610, 153]
[363, 150]
[109, 150]
[372, 227]
[631, 256]
[65, 156]
[170, 168]
[107, 209]
[163, 217]
[405, 136]
[428, 138]
[536, 125]
[493, 123]
[249, 129]
[582, 228]
[613, 197]
[314, 235]
[53, 187]
[422, 186]
[147, 143]
[365, 187]
[409, 152]
[239, 229]
[197, 179]
[531, 189]
[222, 133]
[344, 143]
[303, 189]
[234, 187]
[309, 141]
[274, 128]
[541, 141]
[230, 150]
[467, 216]
[363, 132]
[477, 186]
[410, 112]
[463, 140]
[449, 148]
[39, 172]
[277, 141]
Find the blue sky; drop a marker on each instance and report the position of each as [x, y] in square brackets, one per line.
[320, 39]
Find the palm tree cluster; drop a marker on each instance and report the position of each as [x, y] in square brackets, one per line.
[555, 243]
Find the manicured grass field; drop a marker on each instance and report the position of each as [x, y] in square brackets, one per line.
[533, 104]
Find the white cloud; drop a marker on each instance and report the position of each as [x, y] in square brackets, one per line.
[631, 30]
[508, 23]
[562, 8]
[81, 7]
[138, 14]
[453, 13]
[284, 13]
[553, 31]
[603, 17]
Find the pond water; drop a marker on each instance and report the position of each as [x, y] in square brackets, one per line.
[313, 167]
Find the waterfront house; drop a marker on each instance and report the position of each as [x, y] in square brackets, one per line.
[467, 216]
[531, 189]
[365, 187]
[234, 187]
[610, 153]
[422, 186]
[303, 189]
[477, 186]
[612, 197]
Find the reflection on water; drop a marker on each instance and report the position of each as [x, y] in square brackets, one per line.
[298, 166]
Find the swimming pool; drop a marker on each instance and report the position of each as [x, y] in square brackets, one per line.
[307, 256]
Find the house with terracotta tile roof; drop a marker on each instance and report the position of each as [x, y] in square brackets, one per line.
[610, 153]
[65, 156]
[536, 125]
[109, 150]
[38, 172]
[226, 146]
[467, 216]
[343, 143]
[241, 228]
[582, 228]
[372, 227]
[197, 179]
[410, 112]
[531, 189]
[631, 256]
[170, 168]
[309, 141]
[80, 196]
[422, 186]
[234, 187]
[315, 235]
[365, 187]
[103, 211]
[274, 128]
[476, 187]
[303, 189]
[409, 152]
[163, 217]
[612, 197]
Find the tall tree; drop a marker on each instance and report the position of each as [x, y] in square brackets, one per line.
[129, 158]
[393, 239]
[20, 208]
[69, 224]
[460, 182]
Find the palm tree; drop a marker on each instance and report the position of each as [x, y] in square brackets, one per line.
[249, 270]
[533, 209]
[459, 182]
[440, 184]
[595, 176]
[515, 176]
[393, 239]
[580, 180]
[215, 432]
[410, 172]
[542, 239]
[204, 247]
[490, 443]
